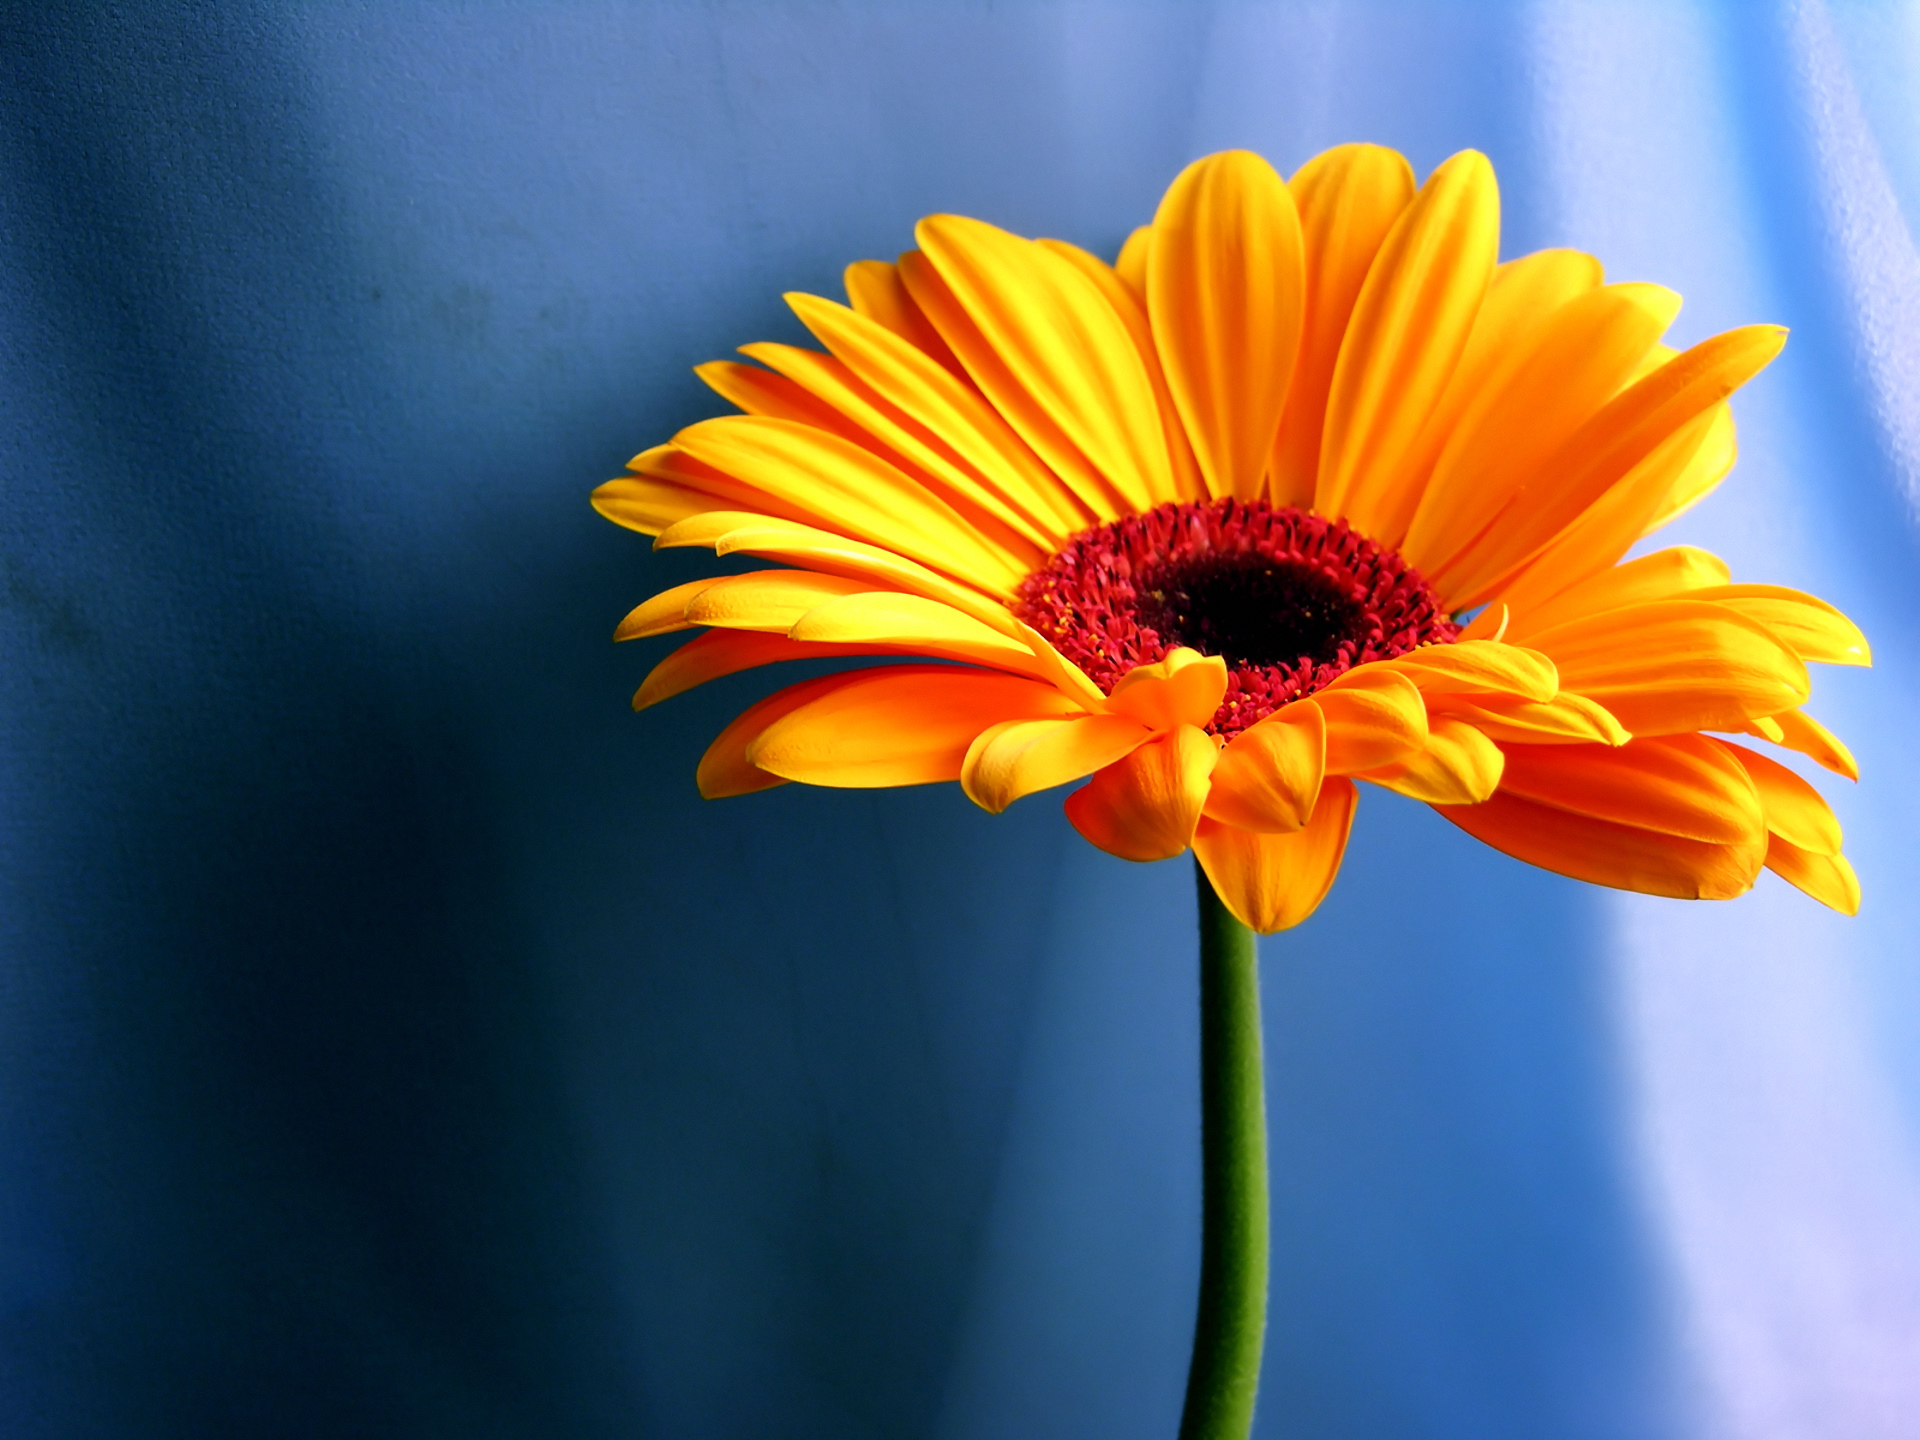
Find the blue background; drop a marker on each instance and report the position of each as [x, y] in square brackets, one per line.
[392, 1043]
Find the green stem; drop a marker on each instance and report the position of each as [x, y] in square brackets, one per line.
[1232, 1323]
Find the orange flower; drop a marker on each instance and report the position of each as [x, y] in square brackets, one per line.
[1306, 489]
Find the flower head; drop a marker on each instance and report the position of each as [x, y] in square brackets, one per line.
[1306, 489]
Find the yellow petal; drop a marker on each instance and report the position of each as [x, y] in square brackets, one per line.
[1812, 628]
[1479, 666]
[714, 653]
[1795, 811]
[1374, 717]
[1827, 878]
[890, 618]
[663, 614]
[1662, 575]
[1017, 757]
[1273, 882]
[1408, 329]
[1131, 267]
[761, 392]
[1183, 688]
[1145, 806]
[1609, 527]
[765, 600]
[1268, 778]
[1604, 853]
[1067, 350]
[1541, 393]
[1225, 285]
[1800, 731]
[1187, 482]
[725, 769]
[1597, 455]
[872, 421]
[1567, 719]
[875, 291]
[1699, 477]
[1523, 296]
[1668, 666]
[649, 506]
[954, 412]
[1348, 198]
[1458, 766]
[849, 489]
[898, 725]
[1685, 785]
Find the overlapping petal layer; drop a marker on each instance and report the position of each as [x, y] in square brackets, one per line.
[1341, 342]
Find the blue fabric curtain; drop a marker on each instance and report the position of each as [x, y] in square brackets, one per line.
[392, 1043]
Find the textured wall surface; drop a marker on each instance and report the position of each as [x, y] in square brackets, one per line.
[392, 1043]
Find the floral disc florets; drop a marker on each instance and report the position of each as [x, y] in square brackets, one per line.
[1290, 600]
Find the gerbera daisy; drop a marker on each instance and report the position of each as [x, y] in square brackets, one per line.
[1305, 489]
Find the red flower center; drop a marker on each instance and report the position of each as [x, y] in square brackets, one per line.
[1288, 599]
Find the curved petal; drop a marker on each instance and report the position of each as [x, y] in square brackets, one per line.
[1800, 731]
[1672, 665]
[850, 488]
[1680, 570]
[1604, 853]
[1225, 288]
[761, 392]
[1597, 455]
[1567, 719]
[1131, 266]
[725, 769]
[1374, 717]
[958, 416]
[1827, 878]
[1812, 628]
[875, 291]
[1796, 812]
[1182, 688]
[1348, 198]
[1543, 391]
[1408, 330]
[714, 653]
[1685, 785]
[766, 599]
[889, 618]
[1269, 775]
[1017, 757]
[1273, 882]
[1490, 667]
[1187, 481]
[1458, 766]
[897, 725]
[1054, 332]
[1145, 806]
[663, 614]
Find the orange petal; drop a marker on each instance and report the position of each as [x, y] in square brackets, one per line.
[1796, 812]
[761, 392]
[726, 652]
[1604, 853]
[1827, 878]
[663, 614]
[1050, 327]
[1269, 775]
[1812, 628]
[1145, 806]
[1541, 393]
[1685, 785]
[1488, 667]
[1131, 267]
[874, 290]
[1407, 331]
[1273, 882]
[1457, 766]
[898, 725]
[1567, 719]
[1348, 198]
[1680, 570]
[1374, 716]
[1183, 688]
[725, 769]
[1672, 665]
[1187, 481]
[1597, 455]
[766, 599]
[1017, 757]
[1225, 283]
[1800, 731]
